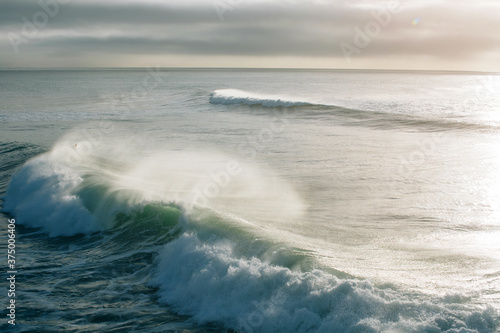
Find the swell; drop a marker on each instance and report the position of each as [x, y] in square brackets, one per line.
[15, 154]
[12, 156]
[390, 121]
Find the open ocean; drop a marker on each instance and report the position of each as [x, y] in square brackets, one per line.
[213, 200]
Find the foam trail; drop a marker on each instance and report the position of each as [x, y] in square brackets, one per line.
[235, 96]
[209, 282]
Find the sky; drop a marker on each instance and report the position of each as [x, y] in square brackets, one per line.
[358, 34]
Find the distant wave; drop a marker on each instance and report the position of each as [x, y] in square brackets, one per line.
[235, 96]
[354, 117]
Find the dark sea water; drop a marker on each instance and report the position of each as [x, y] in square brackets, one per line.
[251, 201]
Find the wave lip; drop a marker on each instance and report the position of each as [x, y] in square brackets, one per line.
[235, 96]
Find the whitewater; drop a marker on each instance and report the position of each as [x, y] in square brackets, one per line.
[213, 205]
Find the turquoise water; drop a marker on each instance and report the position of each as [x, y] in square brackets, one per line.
[252, 200]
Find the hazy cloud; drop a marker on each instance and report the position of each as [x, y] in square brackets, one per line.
[172, 33]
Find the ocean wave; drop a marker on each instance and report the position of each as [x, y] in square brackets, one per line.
[235, 96]
[79, 188]
[215, 263]
[208, 281]
[349, 116]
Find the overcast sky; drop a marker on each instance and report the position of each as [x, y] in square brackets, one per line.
[405, 34]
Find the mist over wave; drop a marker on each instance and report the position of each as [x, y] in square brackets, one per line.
[78, 187]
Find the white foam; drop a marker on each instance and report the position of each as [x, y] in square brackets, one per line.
[40, 195]
[235, 96]
[208, 282]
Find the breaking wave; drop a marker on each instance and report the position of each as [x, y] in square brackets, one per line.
[218, 260]
[235, 96]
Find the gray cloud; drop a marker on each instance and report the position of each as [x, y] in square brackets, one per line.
[441, 30]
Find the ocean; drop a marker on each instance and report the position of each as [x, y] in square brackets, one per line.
[238, 200]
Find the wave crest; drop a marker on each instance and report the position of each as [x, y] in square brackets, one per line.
[235, 96]
[65, 195]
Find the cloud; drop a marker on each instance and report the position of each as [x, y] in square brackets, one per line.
[445, 31]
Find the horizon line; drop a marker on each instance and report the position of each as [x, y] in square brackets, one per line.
[239, 68]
